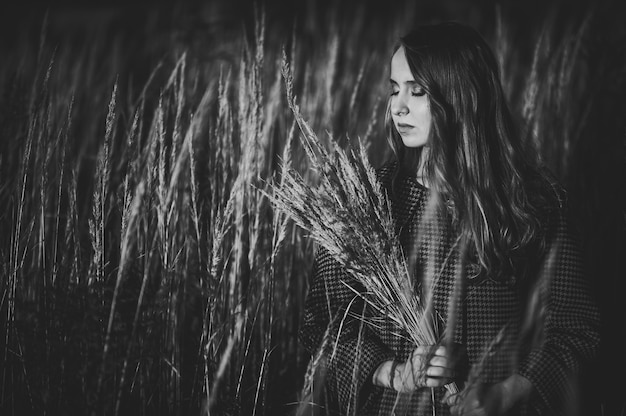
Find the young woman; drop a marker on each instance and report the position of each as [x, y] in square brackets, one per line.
[520, 316]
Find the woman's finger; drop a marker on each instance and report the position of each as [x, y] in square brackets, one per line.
[440, 351]
[435, 382]
[439, 362]
[440, 372]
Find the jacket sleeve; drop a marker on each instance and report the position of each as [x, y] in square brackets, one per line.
[335, 329]
[571, 325]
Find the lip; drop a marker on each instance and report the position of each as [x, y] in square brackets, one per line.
[404, 127]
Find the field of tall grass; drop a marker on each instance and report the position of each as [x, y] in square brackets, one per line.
[143, 271]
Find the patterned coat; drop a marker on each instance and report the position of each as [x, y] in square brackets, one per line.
[491, 312]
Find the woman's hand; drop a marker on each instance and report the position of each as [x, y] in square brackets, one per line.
[477, 401]
[496, 399]
[427, 366]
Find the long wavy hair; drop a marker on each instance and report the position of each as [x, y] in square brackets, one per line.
[476, 160]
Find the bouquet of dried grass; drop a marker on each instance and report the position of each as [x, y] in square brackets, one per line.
[349, 215]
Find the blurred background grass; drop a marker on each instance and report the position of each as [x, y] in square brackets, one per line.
[143, 272]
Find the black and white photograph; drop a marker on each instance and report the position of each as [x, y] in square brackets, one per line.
[313, 208]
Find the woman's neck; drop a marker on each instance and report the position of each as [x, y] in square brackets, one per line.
[421, 174]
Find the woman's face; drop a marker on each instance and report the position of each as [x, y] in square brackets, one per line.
[410, 108]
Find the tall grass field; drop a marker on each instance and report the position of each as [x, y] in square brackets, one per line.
[143, 271]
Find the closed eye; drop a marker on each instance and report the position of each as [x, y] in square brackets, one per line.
[394, 87]
[416, 90]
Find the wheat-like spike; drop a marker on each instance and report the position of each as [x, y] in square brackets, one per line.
[348, 214]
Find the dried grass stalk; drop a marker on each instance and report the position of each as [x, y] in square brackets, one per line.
[349, 214]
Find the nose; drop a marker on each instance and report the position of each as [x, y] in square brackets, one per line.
[399, 104]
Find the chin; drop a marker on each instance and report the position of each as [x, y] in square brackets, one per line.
[413, 142]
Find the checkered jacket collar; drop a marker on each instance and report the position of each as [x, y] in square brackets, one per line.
[408, 194]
